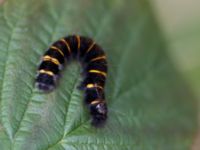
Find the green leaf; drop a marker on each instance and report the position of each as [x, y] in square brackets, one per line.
[150, 105]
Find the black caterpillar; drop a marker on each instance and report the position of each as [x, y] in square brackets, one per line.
[93, 60]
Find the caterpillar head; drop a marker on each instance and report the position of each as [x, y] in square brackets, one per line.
[98, 110]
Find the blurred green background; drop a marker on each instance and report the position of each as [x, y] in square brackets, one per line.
[180, 22]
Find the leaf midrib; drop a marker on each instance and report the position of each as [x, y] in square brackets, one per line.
[32, 93]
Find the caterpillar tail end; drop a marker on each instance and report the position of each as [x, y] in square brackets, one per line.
[45, 82]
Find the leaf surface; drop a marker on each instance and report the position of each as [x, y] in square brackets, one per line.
[150, 106]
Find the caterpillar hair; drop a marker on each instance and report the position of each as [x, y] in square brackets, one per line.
[93, 61]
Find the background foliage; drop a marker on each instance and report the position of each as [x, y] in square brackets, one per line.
[150, 106]
[181, 25]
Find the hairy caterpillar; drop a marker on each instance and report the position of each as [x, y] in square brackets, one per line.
[93, 60]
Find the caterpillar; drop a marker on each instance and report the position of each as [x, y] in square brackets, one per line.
[93, 61]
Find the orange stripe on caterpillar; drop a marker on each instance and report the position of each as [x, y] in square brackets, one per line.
[98, 58]
[67, 44]
[49, 58]
[46, 72]
[90, 85]
[98, 72]
[91, 46]
[57, 49]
